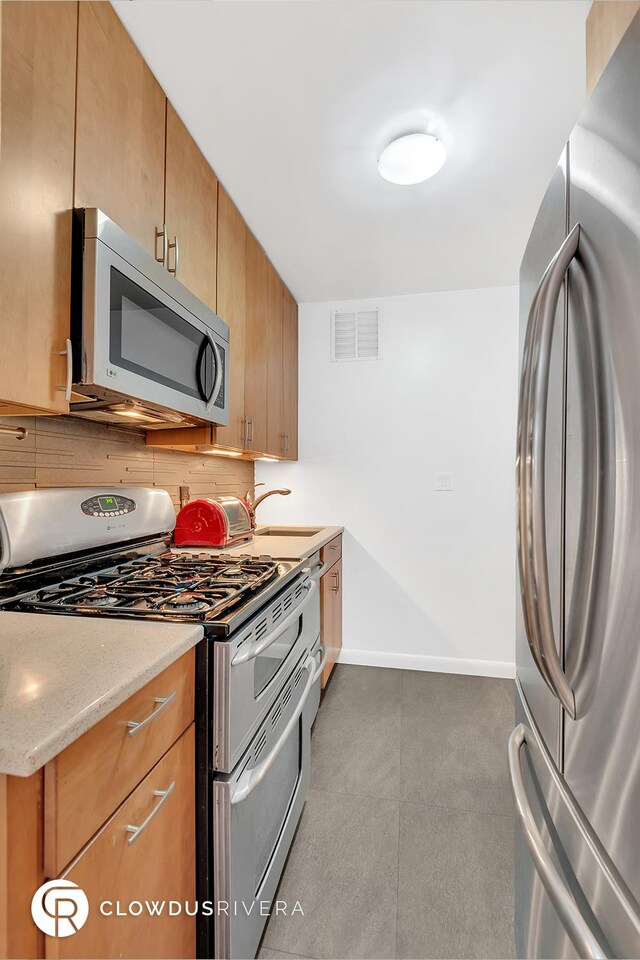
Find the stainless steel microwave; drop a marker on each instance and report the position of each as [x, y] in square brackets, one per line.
[144, 350]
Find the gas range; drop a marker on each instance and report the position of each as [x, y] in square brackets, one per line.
[220, 592]
[143, 580]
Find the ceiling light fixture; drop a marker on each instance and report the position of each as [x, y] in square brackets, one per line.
[412, 158]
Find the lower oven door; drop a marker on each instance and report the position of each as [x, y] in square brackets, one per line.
[249, 667]
[256, 810]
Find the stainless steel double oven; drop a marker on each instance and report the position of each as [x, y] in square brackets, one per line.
[263, 691]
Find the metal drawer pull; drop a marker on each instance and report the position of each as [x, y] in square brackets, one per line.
[165, 240]
[68, 353]
[163, 703]
[176, 256]
[250, 779]
[19, 433]
[252, 650]
[136, 831]
[565, 906]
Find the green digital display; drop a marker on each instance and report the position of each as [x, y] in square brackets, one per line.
[107, 503]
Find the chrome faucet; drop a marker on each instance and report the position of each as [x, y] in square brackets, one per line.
[254, 501]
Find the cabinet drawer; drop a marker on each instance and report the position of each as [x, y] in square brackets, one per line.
[88, 781]
[156, 864]
[331, 551]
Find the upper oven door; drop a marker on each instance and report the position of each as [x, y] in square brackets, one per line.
[145, 336]
[249, 667]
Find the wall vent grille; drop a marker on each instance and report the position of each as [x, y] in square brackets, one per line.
[355, 334]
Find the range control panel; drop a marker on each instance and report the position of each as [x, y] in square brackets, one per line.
[107, 505]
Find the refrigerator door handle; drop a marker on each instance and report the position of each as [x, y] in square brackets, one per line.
[566, 907]
[545, 305]
[527, 593]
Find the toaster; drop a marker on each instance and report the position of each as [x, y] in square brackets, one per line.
[214, 522]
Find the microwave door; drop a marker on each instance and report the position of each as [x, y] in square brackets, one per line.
[140, 343]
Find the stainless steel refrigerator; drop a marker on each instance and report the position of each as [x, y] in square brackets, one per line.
[574, 755]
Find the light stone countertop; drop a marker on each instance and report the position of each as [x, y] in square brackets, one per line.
[59, 675]
[289, 546]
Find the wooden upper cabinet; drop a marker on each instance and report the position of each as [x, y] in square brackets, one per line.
[275, 425]
[256, 346]
[120, 126]
[36, 195]
[232, 308]
[606, 25]
[290, 376]
[191, 204]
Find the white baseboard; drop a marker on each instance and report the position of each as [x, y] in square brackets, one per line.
[416, 661]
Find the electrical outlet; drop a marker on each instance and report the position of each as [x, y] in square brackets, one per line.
[444, 482]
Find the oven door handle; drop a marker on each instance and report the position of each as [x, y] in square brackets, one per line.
[250, 779]
[324, 656]
[253, 650]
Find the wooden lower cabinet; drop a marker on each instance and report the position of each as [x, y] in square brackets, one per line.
[88, 781]
[118, 868]
[331, 616]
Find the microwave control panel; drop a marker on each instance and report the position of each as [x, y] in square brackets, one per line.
[107, 505]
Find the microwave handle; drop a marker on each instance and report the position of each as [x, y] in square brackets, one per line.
[211, 397]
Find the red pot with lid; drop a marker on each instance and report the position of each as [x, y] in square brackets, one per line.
[214, 522]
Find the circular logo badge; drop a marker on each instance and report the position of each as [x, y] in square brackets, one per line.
[59, 908]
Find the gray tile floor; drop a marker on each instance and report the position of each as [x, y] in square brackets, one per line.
[405, 846]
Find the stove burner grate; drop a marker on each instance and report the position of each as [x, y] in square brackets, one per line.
[172, 586]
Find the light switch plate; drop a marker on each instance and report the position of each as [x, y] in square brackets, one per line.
[444, 482]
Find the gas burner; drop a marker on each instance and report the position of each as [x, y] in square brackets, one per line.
[186, 603]
[97, 598]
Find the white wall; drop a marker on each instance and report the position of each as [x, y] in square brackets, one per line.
[429, 578]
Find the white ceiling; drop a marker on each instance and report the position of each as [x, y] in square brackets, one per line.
[292, 101]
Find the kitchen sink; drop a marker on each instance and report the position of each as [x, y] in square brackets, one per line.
[288, 532]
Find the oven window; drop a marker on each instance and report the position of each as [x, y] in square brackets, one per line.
[267, 664]
[262, 815]
[148, 338]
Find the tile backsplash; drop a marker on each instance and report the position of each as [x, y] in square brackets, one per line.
[68, 452]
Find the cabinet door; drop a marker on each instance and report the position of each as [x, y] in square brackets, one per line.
[275, 424]
[120, 127]
[232, 307]
[331, 617]
[36, 196]
[191, 203]
[156, 865]
[290, 376]
[256, 347]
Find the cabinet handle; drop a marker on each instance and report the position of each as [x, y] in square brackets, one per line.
[176, 256]
[136, 831]
[163, 703]
[286, 443]
[165, 240]
[68, 353]
[336, 589]
[249, 437]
